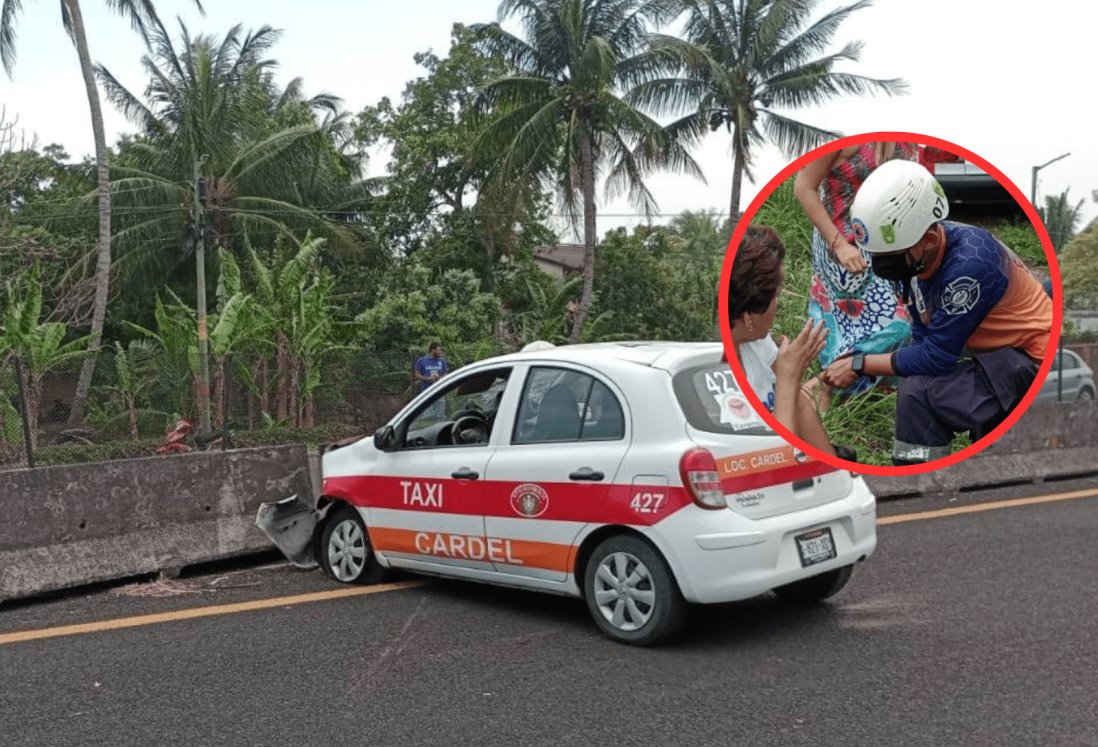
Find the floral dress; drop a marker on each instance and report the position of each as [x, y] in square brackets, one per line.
[862, 311]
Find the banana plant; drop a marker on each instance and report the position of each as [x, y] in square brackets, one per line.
[293, 300]
[40, 345]
[10, 429]
[134, 367]
[547, 318]
[232, 327]
[177, 339]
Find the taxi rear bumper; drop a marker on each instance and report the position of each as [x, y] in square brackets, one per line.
[723, 557]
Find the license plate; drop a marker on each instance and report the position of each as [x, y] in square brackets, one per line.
[815, 546]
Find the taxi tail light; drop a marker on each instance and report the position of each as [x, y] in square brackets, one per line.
[701, 479]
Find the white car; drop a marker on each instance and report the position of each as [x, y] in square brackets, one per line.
[634, 475]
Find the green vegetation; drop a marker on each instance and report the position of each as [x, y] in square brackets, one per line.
[323, 285]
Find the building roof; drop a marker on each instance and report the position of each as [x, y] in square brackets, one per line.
[566, 256]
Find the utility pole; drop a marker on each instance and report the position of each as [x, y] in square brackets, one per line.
[1033, 187]
[1033, 199]
[203, 379]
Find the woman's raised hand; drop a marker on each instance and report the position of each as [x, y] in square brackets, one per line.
[794, 357]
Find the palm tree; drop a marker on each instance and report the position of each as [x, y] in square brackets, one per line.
[740, 60]
[140, 13]
[267, 164]
[561, 116]
[1061, 218]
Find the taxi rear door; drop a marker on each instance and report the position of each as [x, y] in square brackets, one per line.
[552, 467]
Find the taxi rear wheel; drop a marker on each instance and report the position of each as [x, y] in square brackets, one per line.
[344, 550]
[816, 588]
[631, 592]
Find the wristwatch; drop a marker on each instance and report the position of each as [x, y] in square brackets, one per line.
[857, 364]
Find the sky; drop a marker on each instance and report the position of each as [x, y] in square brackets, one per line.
[1008, 81]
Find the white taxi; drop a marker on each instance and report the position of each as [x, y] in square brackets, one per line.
[633, 475]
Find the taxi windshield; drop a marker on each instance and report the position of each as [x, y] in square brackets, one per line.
[712, 401]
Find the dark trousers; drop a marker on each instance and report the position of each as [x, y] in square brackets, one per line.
[976, 396]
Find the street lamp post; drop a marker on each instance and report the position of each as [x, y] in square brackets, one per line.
[1033, 199]
[1033, 188]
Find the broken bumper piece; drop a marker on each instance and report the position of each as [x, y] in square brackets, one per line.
[290, 525]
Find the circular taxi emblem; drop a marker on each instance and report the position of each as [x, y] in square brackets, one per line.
[529, 500]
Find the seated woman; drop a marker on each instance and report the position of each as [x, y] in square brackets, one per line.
[775, 372]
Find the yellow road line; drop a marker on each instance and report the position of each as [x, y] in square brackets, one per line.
[988, 506]
[323, 596]
[190, 614]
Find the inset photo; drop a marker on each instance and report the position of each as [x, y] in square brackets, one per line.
[891, 303]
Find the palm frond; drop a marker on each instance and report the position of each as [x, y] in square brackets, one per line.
[795, 138]
[9, 11]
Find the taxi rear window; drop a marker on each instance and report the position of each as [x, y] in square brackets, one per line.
[711, 401]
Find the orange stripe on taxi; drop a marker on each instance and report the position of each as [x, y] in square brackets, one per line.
[545, 555]
[761, 469]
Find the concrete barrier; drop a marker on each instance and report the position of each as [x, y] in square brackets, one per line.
[1050, 442]
[71, 525]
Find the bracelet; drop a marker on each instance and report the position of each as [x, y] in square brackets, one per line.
[835, 240]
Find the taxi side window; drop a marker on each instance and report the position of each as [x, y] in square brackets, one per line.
[562, 405]
[462, 413]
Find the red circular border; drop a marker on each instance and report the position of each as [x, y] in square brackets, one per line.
[1031, 214]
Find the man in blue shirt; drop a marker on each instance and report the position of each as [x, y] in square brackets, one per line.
[431, 367]
[980, 320]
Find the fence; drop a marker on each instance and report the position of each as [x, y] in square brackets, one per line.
[139, 396]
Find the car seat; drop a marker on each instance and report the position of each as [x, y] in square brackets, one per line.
[558, 416]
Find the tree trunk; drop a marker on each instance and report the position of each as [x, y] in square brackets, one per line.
[292, 391]
[737, 179]
[34, 398]
[264, 387]
[131, 409]
[103, 255]
[308, 419]
[587, 184]
[219, 393]
[282, 363]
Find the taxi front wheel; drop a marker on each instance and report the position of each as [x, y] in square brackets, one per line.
[344, 552]
[631, 592]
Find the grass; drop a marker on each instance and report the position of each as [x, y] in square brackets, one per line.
[865, 422]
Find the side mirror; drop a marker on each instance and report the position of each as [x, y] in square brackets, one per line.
[384, 438]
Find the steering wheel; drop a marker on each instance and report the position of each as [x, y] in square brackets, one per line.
[470, 429]
[468, 411]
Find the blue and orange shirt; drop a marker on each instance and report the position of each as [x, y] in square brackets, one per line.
[979, 297]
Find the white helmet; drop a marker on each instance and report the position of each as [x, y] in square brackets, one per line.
[897, 202]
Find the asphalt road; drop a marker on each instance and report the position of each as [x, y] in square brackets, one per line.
[976, 629]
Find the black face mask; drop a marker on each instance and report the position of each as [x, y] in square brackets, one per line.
[895, 267]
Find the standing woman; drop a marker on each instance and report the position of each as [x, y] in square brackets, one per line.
[861, 311]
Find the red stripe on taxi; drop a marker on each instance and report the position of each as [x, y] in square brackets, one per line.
[641, 505]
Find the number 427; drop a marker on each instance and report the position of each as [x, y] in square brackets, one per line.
[647, 503]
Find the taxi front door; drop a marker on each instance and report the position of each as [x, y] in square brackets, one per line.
[426, 505]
